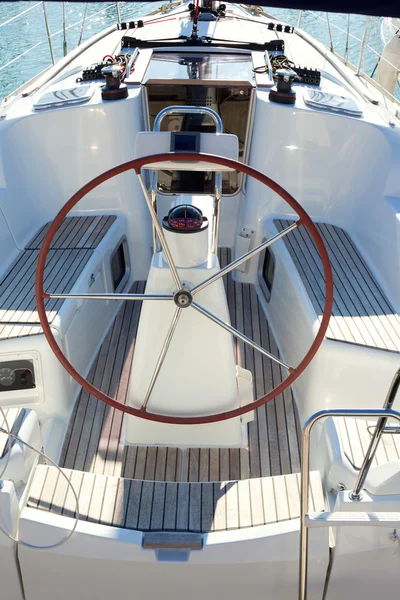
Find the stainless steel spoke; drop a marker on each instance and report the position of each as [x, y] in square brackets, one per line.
[111, 296]
[163, 354]
[239, 335]
[160, 234]
[243, 259]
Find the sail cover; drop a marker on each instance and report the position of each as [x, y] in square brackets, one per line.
[387, 8]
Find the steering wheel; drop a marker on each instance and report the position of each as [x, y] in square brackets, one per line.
[182, 297]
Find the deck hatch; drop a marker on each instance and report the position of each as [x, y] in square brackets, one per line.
[216, 68]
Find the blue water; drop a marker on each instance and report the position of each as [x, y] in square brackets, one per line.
[28, 30]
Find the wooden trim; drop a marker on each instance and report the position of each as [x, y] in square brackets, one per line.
[187, 541]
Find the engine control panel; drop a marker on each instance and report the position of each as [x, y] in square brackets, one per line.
[17, 375]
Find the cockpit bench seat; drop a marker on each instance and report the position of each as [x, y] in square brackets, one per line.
[172, 506]
[361, 313]
[71, 250]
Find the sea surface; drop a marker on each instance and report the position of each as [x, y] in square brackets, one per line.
[26, 35]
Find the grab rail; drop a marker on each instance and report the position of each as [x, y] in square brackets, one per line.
[178, 110]
[219, 128]
[376, 438]
[384, 414]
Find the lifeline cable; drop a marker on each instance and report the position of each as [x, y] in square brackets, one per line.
[47, 458]
[8, 443]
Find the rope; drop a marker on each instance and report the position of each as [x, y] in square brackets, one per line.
[196, 13]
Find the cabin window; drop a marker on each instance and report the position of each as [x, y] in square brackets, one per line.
[119, 267]
[267, 273]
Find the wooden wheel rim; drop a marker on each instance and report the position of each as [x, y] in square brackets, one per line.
[137, 165]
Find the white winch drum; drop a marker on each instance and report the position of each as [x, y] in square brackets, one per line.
[186, 233]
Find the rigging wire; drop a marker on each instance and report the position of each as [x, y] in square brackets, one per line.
[57, 33]
[20, 14]
[20, 56]
[16, 539]
[348, 34]
[8, 443]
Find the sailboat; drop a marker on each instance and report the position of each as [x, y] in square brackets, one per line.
[199, 317]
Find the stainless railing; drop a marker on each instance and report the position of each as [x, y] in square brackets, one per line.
[63, 30]
[191, 110]
[376, 438]
[299, 19]
[383, 415]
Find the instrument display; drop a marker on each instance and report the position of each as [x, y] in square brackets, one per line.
[16, 375]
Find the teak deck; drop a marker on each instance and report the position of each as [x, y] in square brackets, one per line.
[361, 312]
[172, 506]
[93, 440]
[72, 247]
[356, 437]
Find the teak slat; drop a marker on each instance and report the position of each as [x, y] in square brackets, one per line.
[70, 252]
[173, 506]
[167, 489]
[273, 443]
[361, 313]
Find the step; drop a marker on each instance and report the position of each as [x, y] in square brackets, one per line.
[173, 506]
[351, 519]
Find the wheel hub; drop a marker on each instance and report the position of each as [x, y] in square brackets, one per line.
[183, 298]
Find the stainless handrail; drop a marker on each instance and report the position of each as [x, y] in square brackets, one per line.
[376, 438]
[173, 110]
[219, 128]
[383, 413]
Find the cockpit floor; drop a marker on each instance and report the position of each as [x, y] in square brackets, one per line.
[93, 438]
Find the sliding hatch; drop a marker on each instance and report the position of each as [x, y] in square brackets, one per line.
[223, 82]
